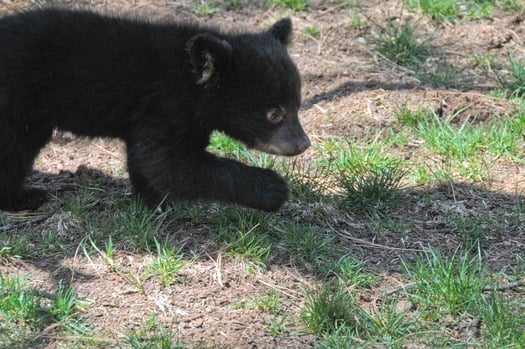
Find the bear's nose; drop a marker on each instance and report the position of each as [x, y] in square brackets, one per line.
[303, 144]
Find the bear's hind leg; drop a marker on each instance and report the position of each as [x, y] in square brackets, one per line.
[141, 186]
[15, 163]
[25, 199]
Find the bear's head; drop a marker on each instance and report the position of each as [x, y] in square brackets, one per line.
[249, 88]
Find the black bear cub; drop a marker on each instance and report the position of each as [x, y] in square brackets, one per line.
[160, 87]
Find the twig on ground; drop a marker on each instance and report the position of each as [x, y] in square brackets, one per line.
[217, 264]
[487, 288]
[13, 226]
[505, 287]
[346, 235]
[188, 318]
[398, 289]
[278, 288]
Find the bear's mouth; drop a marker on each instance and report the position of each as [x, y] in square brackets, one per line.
[283, 147]
[288, 139]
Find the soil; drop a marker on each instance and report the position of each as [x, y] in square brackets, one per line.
[349, 91]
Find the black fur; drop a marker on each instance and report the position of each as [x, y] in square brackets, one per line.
[160, 87]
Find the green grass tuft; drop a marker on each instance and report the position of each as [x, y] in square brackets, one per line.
[329, 309]
[503, 321]
[441, 10]
[152, 335]
[25, 312]
[168, 264]
[472, 231]
[411, 118]
[234, 3]
[308, 247]
[350, 272]
[514, 81]
[249, 246]
[312, 31]
[401, 44]
[295, 5]
[450, 285]
[205, 8]
[370, 180]
[268, 303]
[438, 73]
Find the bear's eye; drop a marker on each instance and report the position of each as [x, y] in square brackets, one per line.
[275, 116]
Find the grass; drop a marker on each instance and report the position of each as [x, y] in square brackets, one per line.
[307, 180]
[465, 151]
[402, 44]
[141, 225]
[152, 335]
[504, 322]
[307, 247]
[357, 21]
[205, 8]
[249, 246]
[505, 137]
[460, 148]
[350, 272]
[484, 60]
[481, 9]
[514, 83]
[329, 309]
[389, 326]
[472, 230]
[347, 174]
[168, 264]
[347, 3]
[438, 10]
[277, 326]
[411, 118]
[100, 215]
[439, 73]
[451, 10]
[519, 209]
[243, 235]
[19, 304]
[447, 285]
[235, 3]
[457, 286]
[224, 145]
[334, 313]
[17, 246]
[511, 5]
[295, 5]
[268, 303]
[312, 31]
[369, 180]
[25, 312]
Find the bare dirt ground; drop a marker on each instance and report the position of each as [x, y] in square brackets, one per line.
[348, 91]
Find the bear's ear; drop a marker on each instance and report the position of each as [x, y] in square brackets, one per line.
[210, 57]
[282, 30]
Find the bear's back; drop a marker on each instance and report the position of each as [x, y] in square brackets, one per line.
[86, 72]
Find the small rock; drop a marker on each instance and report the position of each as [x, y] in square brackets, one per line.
[403, 306]
[365, 297]
[198, 323]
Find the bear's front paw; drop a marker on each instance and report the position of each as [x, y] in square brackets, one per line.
[271, 191]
